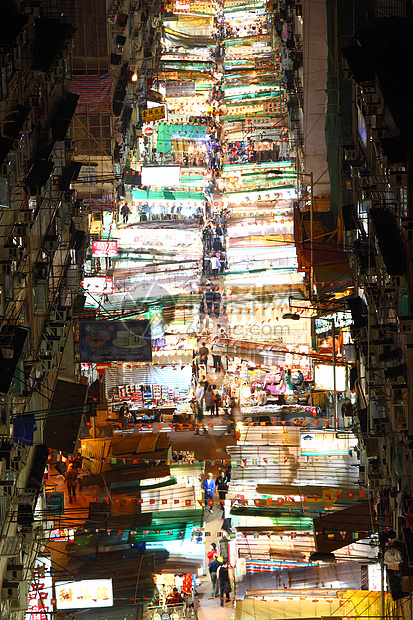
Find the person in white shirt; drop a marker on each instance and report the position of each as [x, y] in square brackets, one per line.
[215, 265]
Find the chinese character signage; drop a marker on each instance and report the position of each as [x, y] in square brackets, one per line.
[153, 114]
[84, 594]
[104, 248]
[39, 605]
[115, 341]
[55, 503]
[330, 444]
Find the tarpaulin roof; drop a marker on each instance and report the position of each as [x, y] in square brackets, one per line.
[288, 608]
[65, 415]
[337, 529]
[301, 576]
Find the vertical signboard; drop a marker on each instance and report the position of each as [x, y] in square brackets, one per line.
[39, 605]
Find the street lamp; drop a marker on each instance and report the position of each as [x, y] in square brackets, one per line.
[296, 317]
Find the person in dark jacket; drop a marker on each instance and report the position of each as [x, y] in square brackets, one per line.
[203, 354]
[124, 414]
[213, 568]
[209, 298]
[224, 581]
[217, 245]
[221, 484]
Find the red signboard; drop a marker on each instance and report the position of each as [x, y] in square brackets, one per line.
[104, 248]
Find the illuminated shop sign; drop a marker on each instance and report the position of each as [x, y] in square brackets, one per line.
[115, 341]
[324, 377]
[330, 444]
[153, 114]
[84, 594]
[104, 248]
[39, 605]
[341, 320]
[161, 176]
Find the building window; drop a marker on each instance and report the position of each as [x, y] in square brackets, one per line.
[89, 176]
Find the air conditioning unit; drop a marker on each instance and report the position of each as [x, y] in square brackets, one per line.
[350, 154]
[7, 488]
[371, 98]
[11, 252]
[26, 216]
[14, 572]
[34, 101]
[21, 230]
[51, 243]
[398, 179]
[56, 330]
[17, 459]
[46, 365]
[407, 227]
[61, 316]
[77, 208]
[46, 136]
[50, 346]
[6, 170]
[10, 590]
[6, 267]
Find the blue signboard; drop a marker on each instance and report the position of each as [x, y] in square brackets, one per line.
[55, 503]
[115, 341]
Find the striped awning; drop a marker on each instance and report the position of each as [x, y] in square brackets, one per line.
[95, 93]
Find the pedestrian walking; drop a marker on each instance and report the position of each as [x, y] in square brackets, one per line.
[217, 300]
[71, 481]
[200, 398]
[212, 553]
[209, 400]
[209, 296]
[221, 484]
[224, 581]
[216, 355]
[215, 266]
[217, 245]
[220, 233]
[203, 354]
[217, 399]
[208, 486]
[125, 212]
[213, 568]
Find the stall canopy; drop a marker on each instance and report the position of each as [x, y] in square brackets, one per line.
[167, 132]
[148, 375]
[336, 530]
[288, 608]
[65, 415]
[262, 577]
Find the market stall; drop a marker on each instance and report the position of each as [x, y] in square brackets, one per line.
[148, 391]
